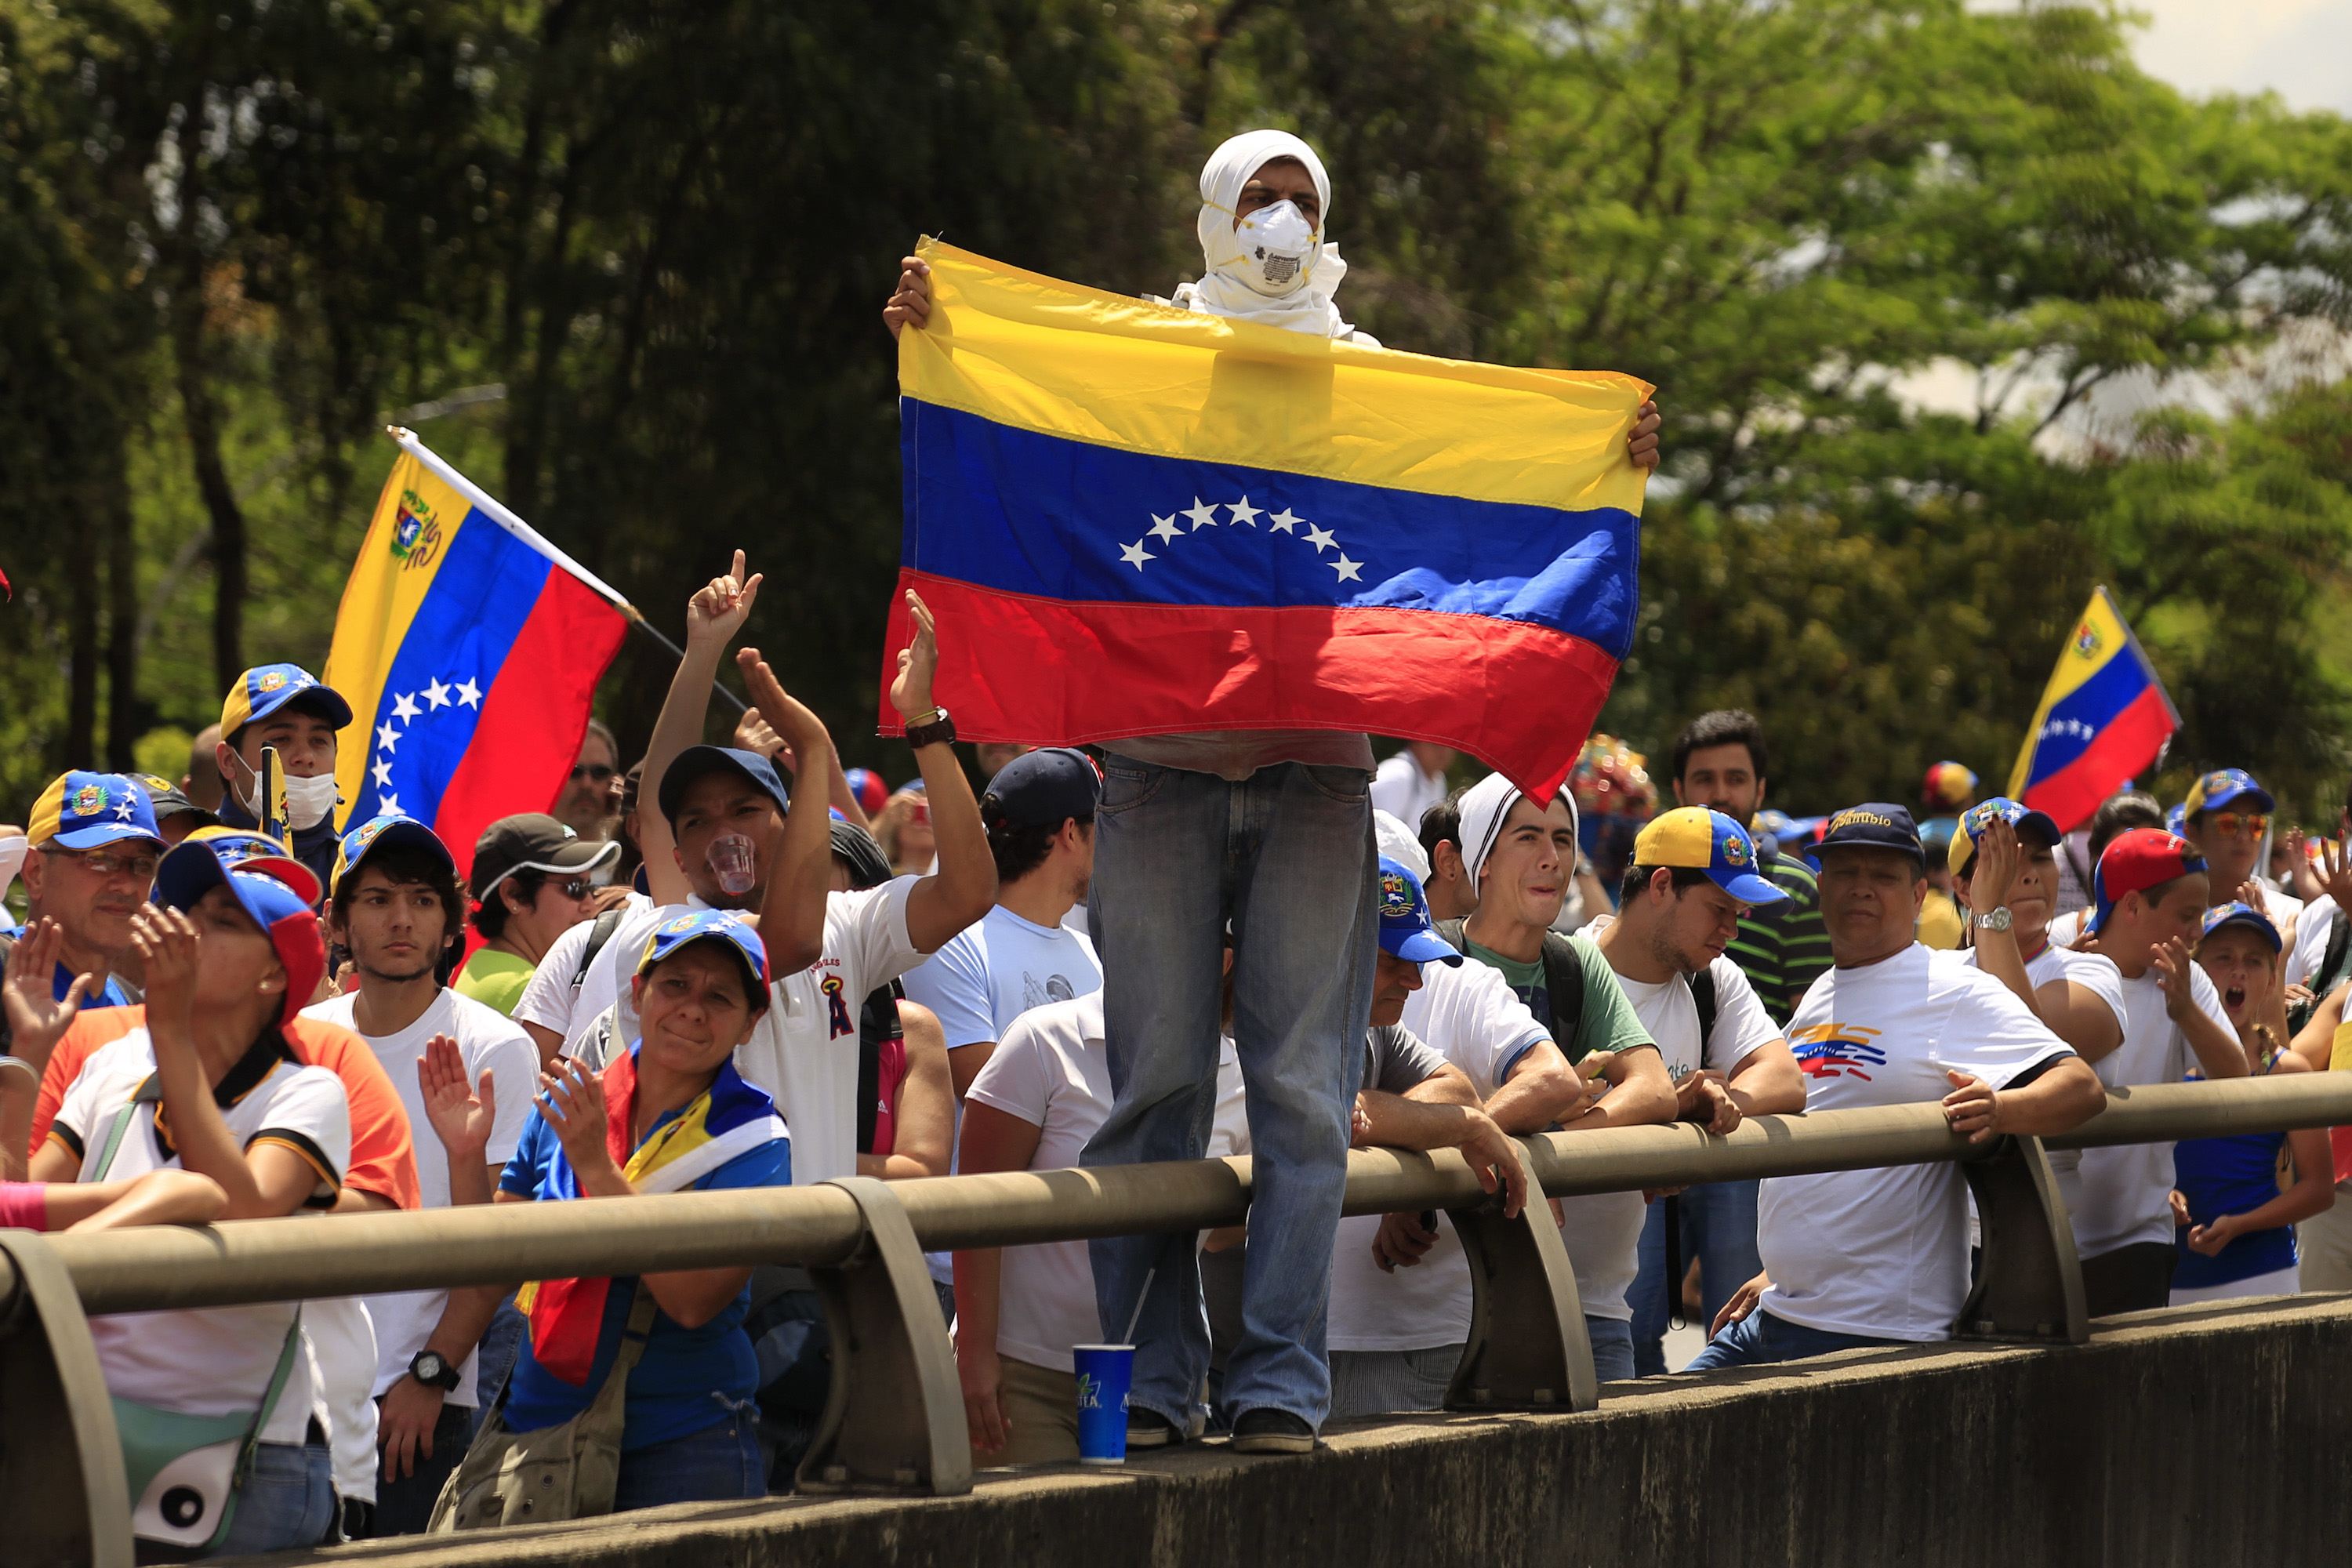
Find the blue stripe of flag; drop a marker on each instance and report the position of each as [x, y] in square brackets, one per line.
[2076, 718]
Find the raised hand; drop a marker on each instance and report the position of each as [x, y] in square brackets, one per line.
[793, 724]
[911, 305]
[1642, 441]
[718, 609]
[36, 1018]
[1998, 859]
[571, 1099]
[462, 1117]
[919, 661]
[165, 940]
[2171, 963]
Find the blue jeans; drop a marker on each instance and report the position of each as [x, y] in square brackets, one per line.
[287, 1501]
[1613, 1348]
[1719, 1228]
[494, 1359]
[1760, 1338]
[1287, 856]
[714, 1464]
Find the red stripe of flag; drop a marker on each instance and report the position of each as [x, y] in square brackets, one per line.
[2127, 743]
[534, 714]
[1521, 698]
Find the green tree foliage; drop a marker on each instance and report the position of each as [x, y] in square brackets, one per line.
[644, 244]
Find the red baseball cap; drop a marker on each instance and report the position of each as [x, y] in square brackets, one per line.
[2139, 859]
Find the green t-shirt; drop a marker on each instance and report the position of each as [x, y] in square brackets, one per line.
[494, 979]
[1608, 1021]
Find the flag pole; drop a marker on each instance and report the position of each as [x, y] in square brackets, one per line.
[497, 512]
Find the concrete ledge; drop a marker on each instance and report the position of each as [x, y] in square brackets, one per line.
[2199, 1436]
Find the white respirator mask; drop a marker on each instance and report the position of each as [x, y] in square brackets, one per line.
[1278, 250]
[308, 800]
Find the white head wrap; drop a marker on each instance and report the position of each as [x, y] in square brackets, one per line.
[1220, 292]
[1397, 842]
[1485, 806]
[13, 850]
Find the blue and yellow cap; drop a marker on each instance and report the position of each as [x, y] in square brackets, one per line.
[1693, 838]
[85, 811]
[1406, 928]
[2223, 786]
[2237, 914]
[737, 928]
[2037, 827]
[377, 833]
[266, 688]
[250, 849]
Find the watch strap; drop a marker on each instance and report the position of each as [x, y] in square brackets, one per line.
[940, 731]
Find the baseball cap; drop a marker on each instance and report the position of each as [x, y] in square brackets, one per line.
[867, 786]
[2035, 826]
[857, 849]
[249, 850]
[266, 688]
[384, 832]
[737, 929]
[2139, 859]
[164, 799]
[1043, 789]
[2237, 914]
[1406, 928]
[2224, 786]
[1694, 838]
[697, 760]
[1948, 785]
[535, 840]
[85, 810]
[1873, 824]
[192, 871]
[1484, 807]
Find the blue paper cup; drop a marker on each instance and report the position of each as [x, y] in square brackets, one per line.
[1104, 1374]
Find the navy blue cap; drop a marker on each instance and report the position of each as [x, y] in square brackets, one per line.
[1873, 824]
[1406, 928]
[1044, 789]
[697, 760]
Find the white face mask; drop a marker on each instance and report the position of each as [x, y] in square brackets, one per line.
[308, 800]
[1278, 247]
[13, 850]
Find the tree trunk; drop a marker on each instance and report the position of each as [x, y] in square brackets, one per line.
[125, 713]
[201, 416]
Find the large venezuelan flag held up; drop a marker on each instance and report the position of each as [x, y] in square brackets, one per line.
[470, 649]
[1134, 520]
[2104, 717]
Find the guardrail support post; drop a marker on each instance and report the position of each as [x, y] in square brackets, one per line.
[893, 1418]
[60, 1462]
[2029, 1283]
[1527, 1348]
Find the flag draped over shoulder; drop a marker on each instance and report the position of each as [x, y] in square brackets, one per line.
[2104, 717]
[470, 650]
[1135, 520]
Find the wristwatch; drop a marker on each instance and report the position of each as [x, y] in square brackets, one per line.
[936, 729]
[432, 1369]
[1994, 919]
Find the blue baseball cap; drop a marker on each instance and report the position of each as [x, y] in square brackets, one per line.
[697, 760]
[1873, 824]
[1693, 838]
[1044, 788]
[2224, 786]
[2237, 914]
[266, 688]
[250, 849]
[192, 871]
[737, 927]
[2035, 827]
[383, 833]
[83, 810]
[1406, 928]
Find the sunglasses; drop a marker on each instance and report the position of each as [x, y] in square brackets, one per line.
[2238, 824]
[577, 889]
[598, 772]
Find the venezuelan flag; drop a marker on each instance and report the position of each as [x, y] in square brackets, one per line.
[1135, 520]
[2104, 717]
[470, 649]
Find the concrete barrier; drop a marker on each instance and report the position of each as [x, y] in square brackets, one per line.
[2200, 1435]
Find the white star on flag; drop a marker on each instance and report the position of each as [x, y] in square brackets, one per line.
[404, 706]
[1165, 527]
[1285, 521]
[388, 806]
[1135, 556]
[387, 737]
[438, 694]
[1202, 516]
[1349, 571]
[1242, 511]
[470, 694]
[383, 770]
[1318, 537]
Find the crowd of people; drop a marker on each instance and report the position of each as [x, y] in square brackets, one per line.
[744, 966]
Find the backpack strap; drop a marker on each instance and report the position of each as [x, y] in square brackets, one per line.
[1702, 990]
[1564, 980]
[149, 1093]
[598, 935]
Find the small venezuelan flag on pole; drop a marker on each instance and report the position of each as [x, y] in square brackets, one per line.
[2104, 717]
[470, 649]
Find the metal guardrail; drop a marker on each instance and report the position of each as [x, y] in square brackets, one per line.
[863, 1242]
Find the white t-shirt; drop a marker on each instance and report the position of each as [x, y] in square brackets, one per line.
[213, 1361]
[2311, 928]
[2121, 1195]
[2097, 973]
[1051, 1071]
[1404, 792]
[491, 1043]
[1884, 1253]
[342, 1352]
[549, 1000]
[1669, 1011]
[2068, 929]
